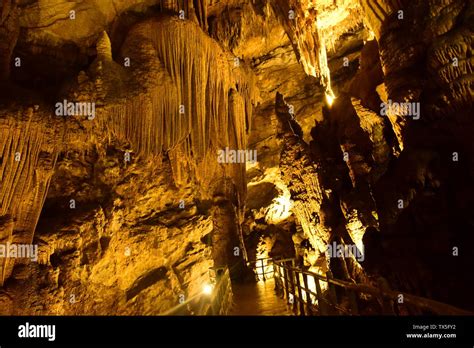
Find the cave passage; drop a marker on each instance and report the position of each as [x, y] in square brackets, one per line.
[163, 157]
[258, 299]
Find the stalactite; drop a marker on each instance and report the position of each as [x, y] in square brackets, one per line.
[376, 13]
[28, 151]
[301, 24]
[104, 47]
[193, 10]
[188, 100]
[324, 73]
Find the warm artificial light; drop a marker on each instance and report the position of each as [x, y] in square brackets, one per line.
[207, 289]
[330, 98]
[280, 209]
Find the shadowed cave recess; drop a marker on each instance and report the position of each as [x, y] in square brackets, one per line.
[149, 148]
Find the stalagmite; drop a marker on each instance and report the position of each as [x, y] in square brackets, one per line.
[301, 176]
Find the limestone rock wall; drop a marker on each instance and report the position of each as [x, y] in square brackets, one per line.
[175, 81]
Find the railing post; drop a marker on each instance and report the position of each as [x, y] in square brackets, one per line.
[215, 297]
[273, 267]
[300, 293]
[308, 294]
[263, 270]
[332, 290]
[321, 302]
[351, 294]
[278, 280]
[293, 286]
[285, 271]
[228, 293]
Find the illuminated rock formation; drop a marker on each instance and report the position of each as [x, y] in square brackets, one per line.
[30, 143]
[131, 206]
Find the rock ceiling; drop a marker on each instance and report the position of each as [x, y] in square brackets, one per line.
[130, 208]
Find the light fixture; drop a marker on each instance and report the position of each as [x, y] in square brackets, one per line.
[330, 98]
[207, 289]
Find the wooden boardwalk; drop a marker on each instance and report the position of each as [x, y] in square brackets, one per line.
[258, 299]
[284, 290]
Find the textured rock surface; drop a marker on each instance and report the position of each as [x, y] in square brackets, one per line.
[130, 209]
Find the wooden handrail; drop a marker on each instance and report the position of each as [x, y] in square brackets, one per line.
[221, 300]
[271, 259]
[352, 289]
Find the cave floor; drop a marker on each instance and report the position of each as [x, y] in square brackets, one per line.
[258, 299]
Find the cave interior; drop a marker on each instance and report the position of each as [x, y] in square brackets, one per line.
[150, 147]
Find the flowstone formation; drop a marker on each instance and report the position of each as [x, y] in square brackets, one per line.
[145, 144]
